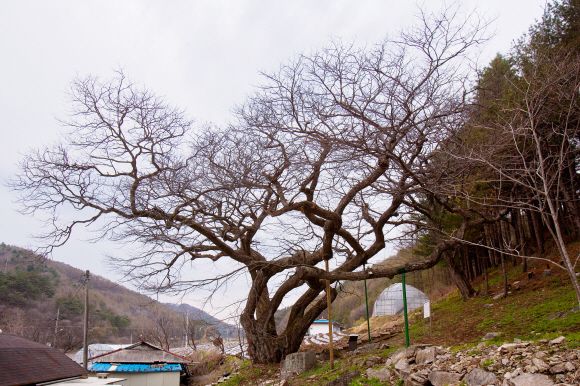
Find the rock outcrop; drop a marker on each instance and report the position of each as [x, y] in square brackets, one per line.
[541, 363]
[298, 363]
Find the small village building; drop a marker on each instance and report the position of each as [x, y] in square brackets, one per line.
[23, 362]
[90, 381]
[96, 349]
[320, 326]
[390, 301]
[142, 364]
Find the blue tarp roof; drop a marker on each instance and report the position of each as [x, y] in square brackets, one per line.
[134, 368]
[325, 321]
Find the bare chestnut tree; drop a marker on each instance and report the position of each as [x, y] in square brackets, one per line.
[326, 160]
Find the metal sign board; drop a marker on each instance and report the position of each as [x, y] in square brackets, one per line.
[426, 310]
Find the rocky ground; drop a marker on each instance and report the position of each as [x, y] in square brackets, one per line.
[453, 352]
[539, 363]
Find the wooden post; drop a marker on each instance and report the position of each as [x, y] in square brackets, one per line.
[328, 302]
[86, 332]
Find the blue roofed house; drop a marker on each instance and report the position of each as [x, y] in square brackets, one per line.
[142, 364]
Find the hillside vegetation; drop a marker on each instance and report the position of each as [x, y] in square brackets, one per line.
[35, 292]
[540, 304]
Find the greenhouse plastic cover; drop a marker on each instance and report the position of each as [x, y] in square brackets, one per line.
[390, 301]
[97, 349]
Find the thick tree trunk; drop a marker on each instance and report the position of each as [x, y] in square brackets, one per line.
[504, 273]
[505, 235]
[538, 231]
[264, 344]
[522, 239]
[490, 251]
[466, 264]
[458, 277]
[486, 281]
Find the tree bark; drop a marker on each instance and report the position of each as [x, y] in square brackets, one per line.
[486, 280]
[504, 273]
[522, 239]
[264, 344]
[538, 231]
[458, 277]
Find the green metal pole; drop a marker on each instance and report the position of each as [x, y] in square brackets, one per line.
[405, 309]
[367, 301]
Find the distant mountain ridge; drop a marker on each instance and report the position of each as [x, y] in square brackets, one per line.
[118, 315]
[227, 330]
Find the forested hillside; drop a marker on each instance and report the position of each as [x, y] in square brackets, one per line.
[35, 292]
[506, 186]
[514, 163]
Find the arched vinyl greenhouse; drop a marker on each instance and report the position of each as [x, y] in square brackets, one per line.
[390, 301]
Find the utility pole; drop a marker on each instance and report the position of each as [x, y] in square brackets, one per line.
[186, 329]
[56, 327]
[86, 335]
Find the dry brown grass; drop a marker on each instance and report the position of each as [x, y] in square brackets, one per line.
[378, 323]
[211, 365]
[206, 361]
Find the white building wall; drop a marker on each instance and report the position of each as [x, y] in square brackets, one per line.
[322, 328]
[150, 379]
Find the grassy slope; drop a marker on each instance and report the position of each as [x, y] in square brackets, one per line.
[457, 322]
[523, 314]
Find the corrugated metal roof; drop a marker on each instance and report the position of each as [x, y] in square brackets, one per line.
[142, 352]
[134, 368]
[325, 321]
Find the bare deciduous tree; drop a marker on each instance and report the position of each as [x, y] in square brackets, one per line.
[532, 148]
[215, 336]
[194, 327]
[162, 329]
[326, 160]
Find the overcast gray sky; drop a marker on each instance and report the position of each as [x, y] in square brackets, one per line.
[202, 55]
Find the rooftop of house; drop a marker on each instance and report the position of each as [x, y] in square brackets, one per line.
[135, 368]
[24, 362]
[326, 322]
[142, 353]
